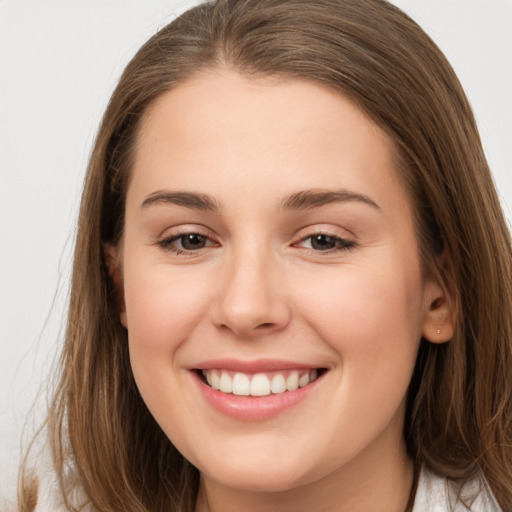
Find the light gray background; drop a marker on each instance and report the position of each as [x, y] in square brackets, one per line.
[59, 61]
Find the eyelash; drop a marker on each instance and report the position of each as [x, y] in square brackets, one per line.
[341, 244]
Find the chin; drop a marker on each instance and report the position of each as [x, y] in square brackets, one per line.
[263, 475]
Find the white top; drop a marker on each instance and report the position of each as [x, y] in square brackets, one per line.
[437, 494]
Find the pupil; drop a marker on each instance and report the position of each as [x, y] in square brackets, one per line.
[323, 242]
[193, 241]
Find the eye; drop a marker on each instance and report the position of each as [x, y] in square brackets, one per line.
[326, 243]
[186, 242]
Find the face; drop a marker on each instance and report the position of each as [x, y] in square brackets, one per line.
[271, 283]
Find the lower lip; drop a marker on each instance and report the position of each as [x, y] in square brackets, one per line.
[254, 408]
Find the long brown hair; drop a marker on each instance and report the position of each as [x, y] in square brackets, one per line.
[459, 412]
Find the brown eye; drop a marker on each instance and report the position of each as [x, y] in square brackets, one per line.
[323, 242]
[186, 242]
[192, 241]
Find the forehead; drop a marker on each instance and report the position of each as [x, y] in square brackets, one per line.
[283, 101]
[220, 123]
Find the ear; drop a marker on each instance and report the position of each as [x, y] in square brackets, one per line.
[439, 317]
[115, 270]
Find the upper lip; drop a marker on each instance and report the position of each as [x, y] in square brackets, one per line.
[255, 366]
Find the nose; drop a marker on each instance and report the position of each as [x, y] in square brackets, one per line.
[251, 299]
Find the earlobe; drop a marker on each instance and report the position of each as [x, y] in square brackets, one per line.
[114, 265]
[439, 317]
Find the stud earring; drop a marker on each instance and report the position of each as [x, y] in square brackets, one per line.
[438, 331]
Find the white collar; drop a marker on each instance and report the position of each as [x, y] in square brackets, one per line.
[439, 494]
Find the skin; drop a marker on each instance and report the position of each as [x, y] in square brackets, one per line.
[259, 288]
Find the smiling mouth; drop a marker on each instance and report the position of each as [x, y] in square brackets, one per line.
[259, 384]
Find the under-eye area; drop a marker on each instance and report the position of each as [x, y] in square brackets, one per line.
[259, 384]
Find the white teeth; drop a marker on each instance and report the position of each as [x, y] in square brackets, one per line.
[215, 380]
[241, 384]
[292, 382]
[225, 384]
[260, 384]
[303, 380]
[278, 384]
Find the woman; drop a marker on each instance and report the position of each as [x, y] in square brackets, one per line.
[291, 286]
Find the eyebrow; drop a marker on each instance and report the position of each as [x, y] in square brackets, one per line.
[303, 200]
[191, 200]
[308, 199]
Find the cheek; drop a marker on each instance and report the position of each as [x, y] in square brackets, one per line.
[162, 309]
[370, 315]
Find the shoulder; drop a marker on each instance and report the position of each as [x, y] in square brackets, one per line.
[49, 495]
[439, 494]
[50, 498]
